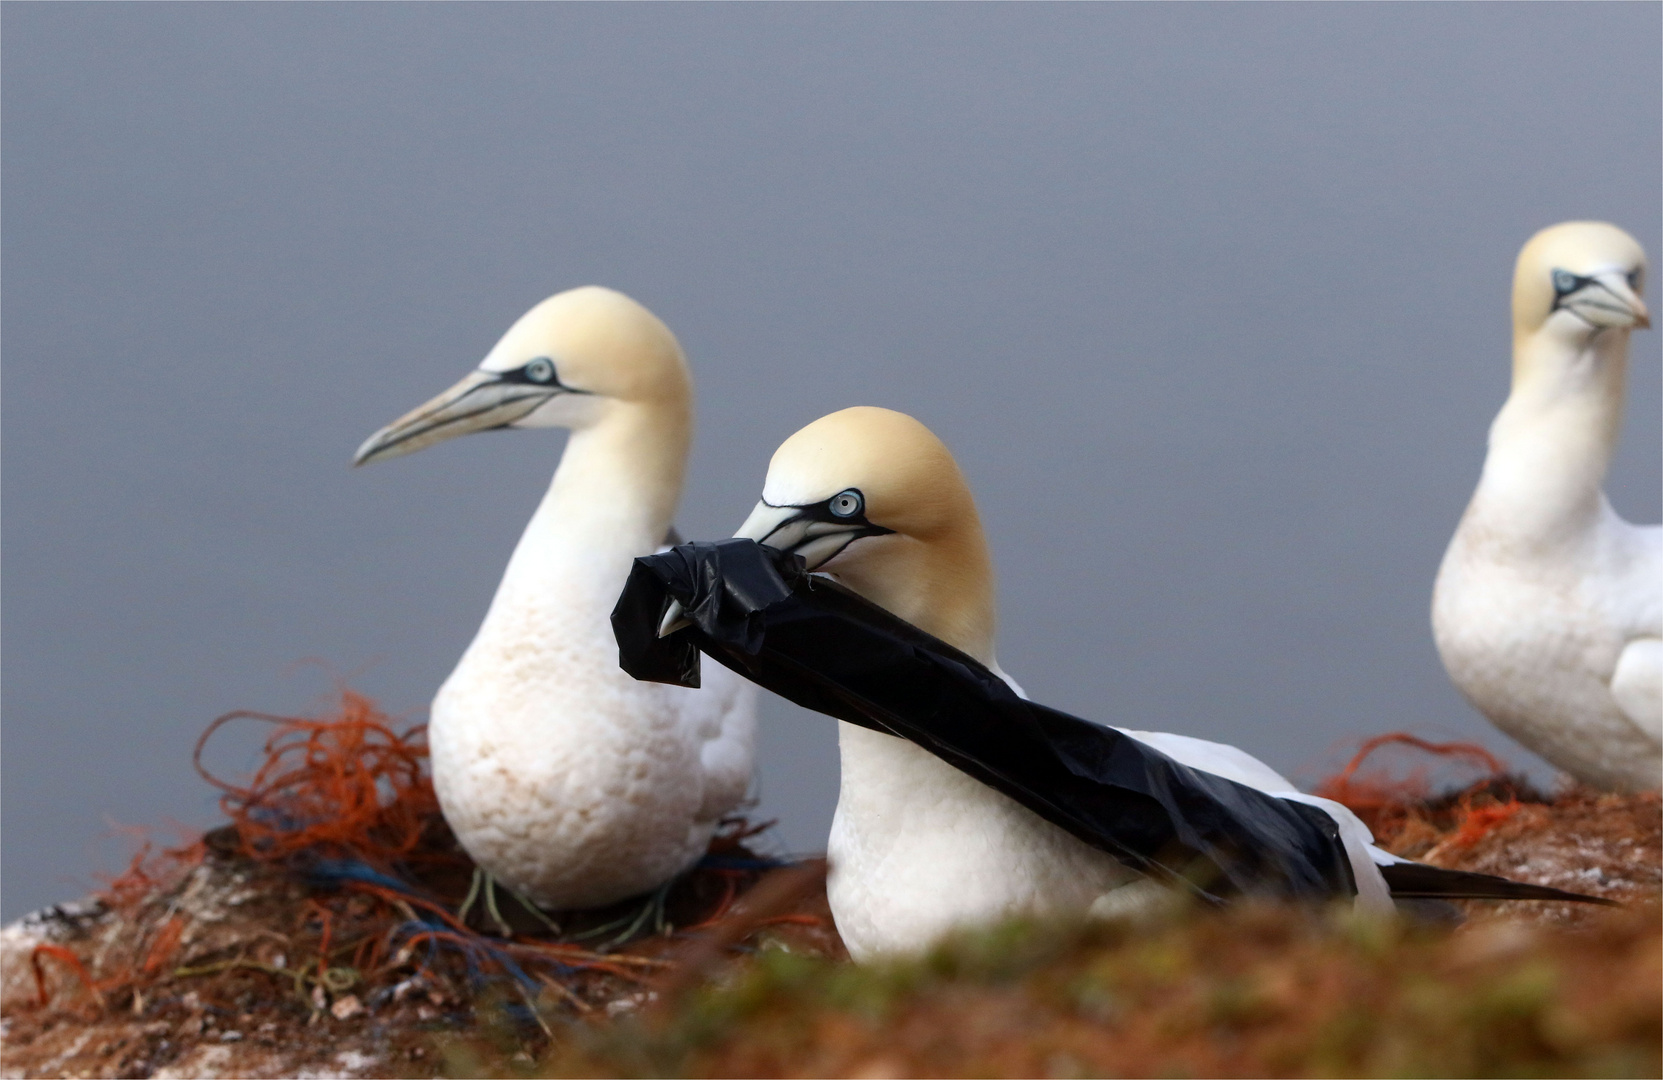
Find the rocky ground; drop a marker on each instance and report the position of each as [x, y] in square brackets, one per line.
[216, 961]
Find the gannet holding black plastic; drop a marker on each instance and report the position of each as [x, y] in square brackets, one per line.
[564, 778]
[1548, 608]
[873, 499]
[991, 806]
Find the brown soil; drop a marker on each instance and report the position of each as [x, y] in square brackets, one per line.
[1519, 989]
[1253, 991]
[241, 994]
[239, 958]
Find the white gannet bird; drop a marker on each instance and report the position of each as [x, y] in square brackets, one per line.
[874, 500]
[565, 779]
[1548, 608]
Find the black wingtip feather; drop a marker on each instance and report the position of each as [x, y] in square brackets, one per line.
[1413, 880]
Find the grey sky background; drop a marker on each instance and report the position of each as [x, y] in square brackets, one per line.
[1211, 302]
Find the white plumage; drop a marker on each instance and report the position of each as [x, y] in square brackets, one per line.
[918, 847]
[564, 778]
[1548, 608]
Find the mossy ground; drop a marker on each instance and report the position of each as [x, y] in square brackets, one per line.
[1256, 991]
[232, 958]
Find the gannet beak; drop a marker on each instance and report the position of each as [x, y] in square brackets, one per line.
[481, 401]
[1636, 306]
[805, 531]
[812, 531]
[798, 529]
[673, 619]
[766, 526]
[1608, 301]
[764, 521]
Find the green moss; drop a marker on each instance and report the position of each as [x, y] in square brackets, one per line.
[1251, 992]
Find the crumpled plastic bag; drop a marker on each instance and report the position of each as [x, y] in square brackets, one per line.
[813, 642]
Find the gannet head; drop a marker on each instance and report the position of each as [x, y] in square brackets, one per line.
[563, 364]
[873, 498]
[1577, 279]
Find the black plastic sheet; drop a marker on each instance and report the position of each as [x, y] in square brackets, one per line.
[814, 642]
[810, 640]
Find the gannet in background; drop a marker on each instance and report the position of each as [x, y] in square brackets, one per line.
[1548, 608]
[871, 498]
[565, 779]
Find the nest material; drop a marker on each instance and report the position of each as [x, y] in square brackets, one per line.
[317, 933]
[331, 898]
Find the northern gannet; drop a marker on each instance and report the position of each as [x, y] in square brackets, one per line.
[565, 779]
[1548, 608]
[873, 499]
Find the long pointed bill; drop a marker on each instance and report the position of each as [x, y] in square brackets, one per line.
[785, 528]
[479, 402]
[1608, 301]
[674, 619]
[814, 532]
[775, 526]
[764, 521]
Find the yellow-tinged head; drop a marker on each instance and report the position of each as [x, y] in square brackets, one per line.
[873, 498]
[1578, 278]
[561, 364]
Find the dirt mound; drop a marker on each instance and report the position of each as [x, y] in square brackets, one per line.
[320, 933]
[1253, 991]
[323, 931]
[1578, 840]
[264, 976]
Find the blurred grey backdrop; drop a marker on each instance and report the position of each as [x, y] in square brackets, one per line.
[1212, 303]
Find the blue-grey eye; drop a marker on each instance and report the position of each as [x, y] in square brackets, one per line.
[1564, 281]
[540, 370]
[1634, 279]
[845, 503]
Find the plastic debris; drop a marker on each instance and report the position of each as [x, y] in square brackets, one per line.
[758, 611]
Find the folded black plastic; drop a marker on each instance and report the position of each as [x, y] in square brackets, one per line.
[757, 611]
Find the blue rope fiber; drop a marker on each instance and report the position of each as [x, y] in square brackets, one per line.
[332, 872]
[478, 953]
[483, 960]
[520, 1014]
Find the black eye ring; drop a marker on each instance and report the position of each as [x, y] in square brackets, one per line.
[540, 370]
[846, 504]
[1566, 282]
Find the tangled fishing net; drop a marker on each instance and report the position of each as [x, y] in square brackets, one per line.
[349, 787]
[358, 888]
[1406, 810]
[320, 932]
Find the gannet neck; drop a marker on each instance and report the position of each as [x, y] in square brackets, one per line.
[1565, 364]
[943, 586]
[1551, 444]
[613, 494]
